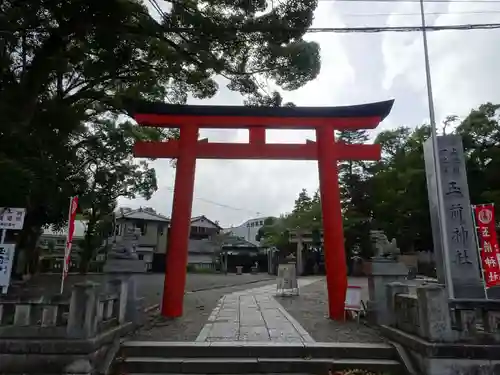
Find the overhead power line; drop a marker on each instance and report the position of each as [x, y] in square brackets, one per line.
[375, 29]
[315, 30]
[220, 204]
[363, 29]
[416, 1]
[417, 14]
[366, 29]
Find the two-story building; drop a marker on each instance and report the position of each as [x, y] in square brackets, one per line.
[51, 246]
[152, 244]
[203, 228]
[154, 231]
[201, 249]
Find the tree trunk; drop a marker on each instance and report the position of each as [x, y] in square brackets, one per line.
[28, 244]
[88, 246]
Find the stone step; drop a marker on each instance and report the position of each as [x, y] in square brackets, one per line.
[155, 365]
[162, 349]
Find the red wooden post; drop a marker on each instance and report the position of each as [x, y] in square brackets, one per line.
[257, 135]
[177, 246]
[333, 233]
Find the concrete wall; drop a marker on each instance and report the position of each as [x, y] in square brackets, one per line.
[200, 259]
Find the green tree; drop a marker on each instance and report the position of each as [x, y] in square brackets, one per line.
[109, 168]
[302, 203]
[480, 131]
[354, 195]
[276, 232]
[399, 189]
[65, 63]
[391, 194]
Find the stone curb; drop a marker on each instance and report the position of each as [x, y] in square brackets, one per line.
[151, 308]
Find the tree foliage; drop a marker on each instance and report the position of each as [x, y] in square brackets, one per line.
[391, 194]
[65, 64]
[108, 167]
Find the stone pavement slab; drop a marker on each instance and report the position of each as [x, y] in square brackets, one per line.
[254, 316]
[198, 307]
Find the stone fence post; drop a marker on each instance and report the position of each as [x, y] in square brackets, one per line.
[382, 271]
[120, 287]
[434, 313]
[392, 289]
[82, 320]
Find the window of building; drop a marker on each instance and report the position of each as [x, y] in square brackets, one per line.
[142, 225]
[261, 223]
[140, 256]
[60, 242]
[118, 230]
[161, 230]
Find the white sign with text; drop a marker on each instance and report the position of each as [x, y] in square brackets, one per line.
[6, 261]
[12, 218]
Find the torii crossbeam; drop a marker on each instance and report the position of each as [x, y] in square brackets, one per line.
[324, 120]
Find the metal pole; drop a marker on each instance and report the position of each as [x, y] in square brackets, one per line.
[2, 240]
[476, 237]
[66, 254]
[437, 166]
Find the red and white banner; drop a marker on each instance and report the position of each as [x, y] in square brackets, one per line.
[73, 206]
[488, 244]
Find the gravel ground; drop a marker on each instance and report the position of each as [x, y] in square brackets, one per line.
[149, 286]
[310, 309]
[197, 308]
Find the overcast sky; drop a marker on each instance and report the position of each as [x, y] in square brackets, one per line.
[356, 68]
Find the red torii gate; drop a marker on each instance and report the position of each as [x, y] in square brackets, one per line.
[257, 119]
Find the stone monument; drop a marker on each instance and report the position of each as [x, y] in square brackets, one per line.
[384, 268]
[123, 263]
[455, 247]
[453, 326]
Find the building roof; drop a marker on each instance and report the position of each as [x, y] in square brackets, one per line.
[202, 247]
[196, 218]
[233, 241]
[141, 214]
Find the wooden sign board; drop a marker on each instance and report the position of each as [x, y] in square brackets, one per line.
[287, 279]
[353, 298]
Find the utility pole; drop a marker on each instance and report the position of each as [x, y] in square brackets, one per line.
[437, 166]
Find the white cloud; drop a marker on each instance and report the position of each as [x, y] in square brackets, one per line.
[463, 63]
[356, 68]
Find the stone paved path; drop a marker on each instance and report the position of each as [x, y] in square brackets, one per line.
[254, 315]
[310, 309]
